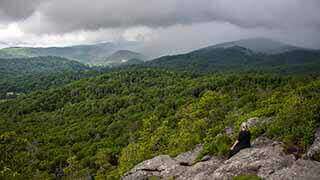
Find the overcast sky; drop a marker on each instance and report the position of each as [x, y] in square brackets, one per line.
[162, 26]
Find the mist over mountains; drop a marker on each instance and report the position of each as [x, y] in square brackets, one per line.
[99, 53]
[87, 54]
[123, 89]
[258, 45]
[98, 110]
[260, 54]
[26, 69]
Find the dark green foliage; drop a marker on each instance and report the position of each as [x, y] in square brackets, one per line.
[105, 125]
[240, 59]
[19, 76]
[37, 65]
[217, 145]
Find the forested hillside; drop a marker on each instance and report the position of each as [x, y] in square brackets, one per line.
[87, 54]
[47, 64]
[259, 45]
[28, 74]
[237, 58]
[159, 90]
[103, 126]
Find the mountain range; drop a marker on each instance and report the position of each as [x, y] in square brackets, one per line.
[27, 74]
[115, 54]
[123, 57]
[62, 119]
[87, 54]
[258, 45]
[244, 55]
[248, 54]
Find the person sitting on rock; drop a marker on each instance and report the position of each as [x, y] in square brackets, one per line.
[243, 140]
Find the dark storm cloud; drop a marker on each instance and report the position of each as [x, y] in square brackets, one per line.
[164, 25]
[94, 14]
[66, 16]
[11, 10]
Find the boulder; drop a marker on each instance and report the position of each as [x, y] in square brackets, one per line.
[161, 166]
[301, 169]
[201, 170]
[190, 157]
[165, 167]
[263, 141]
[314, 150]
[255, 121]
[266, 159]
[260, 160]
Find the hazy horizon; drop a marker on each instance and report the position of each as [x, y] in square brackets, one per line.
[161, 27]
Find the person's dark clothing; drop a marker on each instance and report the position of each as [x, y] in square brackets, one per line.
[244, 139]
[243, 142]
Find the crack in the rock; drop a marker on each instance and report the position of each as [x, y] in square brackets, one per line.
[185, 164]
[150, 170]
[147, 170]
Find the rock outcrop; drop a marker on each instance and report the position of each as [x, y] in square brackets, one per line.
[189, 158]
[314, 150]
[266, 159]
[301, 169]
[161, 166]
[262, 160]
[255, 121]
[180, 167]
[166, 167]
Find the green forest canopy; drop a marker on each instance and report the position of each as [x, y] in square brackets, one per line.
[103, 126]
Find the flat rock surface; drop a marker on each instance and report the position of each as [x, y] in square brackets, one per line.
[266, 159]
[300, 170]
[189, 158]
[261, 161]
[161, 166]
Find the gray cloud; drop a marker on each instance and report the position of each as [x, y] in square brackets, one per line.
[65, 16]
[165, 26]
[184, 38]
[11, 10]
[94, 14]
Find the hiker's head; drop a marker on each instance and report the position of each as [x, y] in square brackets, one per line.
[244, 126]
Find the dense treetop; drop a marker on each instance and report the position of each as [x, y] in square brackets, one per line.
[63, 119]
[29, 74]
[240, 59]
[103, 126]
